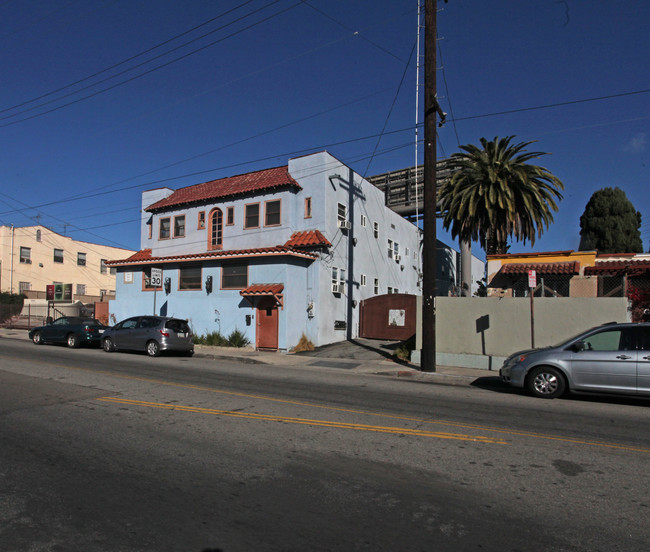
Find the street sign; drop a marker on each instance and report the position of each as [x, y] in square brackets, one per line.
[156, 277]
[532, 279]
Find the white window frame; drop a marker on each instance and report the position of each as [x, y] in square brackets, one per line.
[390, 249]
[376, 286]
[363, 280]
[341, 211]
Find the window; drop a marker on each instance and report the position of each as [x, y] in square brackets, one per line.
[390, 249]
[390, 290]
[407, 252]
[81, 289]
[26, 255]
[342, 276]
[272, 212]
[308, 207]
[376, 229]
[189, 278]
[38, 235]
[215, 236]
[610, 340]
[24, 286]
[376, 286]
[396, 250]
[150, 228]
[58, 255]
[234, 276]
[363, 280]
[342, 212]
[252, 215]
[81, 260]
[363, 220]
[201, 224]
[230, 216]
[336, 283]
[146, 280]
[102, 266]
[179, 226]
[163, 231]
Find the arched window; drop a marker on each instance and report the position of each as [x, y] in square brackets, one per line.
[215, 236]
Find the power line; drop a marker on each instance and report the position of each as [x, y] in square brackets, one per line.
[144, 52]
[546, 106]
[116, 85]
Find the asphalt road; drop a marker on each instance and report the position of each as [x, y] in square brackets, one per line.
[122, 452]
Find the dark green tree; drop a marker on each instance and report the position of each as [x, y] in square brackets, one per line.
[610, 224]
[494, 195]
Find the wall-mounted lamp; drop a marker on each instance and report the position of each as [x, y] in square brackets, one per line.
[354, 303]
[208, 284]
[168, 285]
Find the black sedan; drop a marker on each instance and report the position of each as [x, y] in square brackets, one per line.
[74, 331]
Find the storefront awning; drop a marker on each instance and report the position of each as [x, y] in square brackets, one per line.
[618, 268]
[541, 269]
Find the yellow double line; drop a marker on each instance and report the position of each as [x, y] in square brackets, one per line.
[310, 422]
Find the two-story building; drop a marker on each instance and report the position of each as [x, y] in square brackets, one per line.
[277, 254]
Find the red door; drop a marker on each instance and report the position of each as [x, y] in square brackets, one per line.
[267, 324]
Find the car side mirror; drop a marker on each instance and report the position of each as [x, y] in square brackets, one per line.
[578, 346]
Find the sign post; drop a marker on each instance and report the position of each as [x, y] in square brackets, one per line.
[156, 282]
[532, 284]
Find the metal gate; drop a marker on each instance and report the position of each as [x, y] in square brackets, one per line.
[390, 316]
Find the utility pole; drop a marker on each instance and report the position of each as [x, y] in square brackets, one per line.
[428, 358]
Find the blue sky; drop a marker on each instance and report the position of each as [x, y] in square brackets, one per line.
[96, 107]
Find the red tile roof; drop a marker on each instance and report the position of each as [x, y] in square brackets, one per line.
[263, 289]
[267, 179]
[615, 268]
[570, 267]
[309, 238]
[144, 256]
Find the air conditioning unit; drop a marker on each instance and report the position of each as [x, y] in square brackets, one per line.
[336, 287]
[397, 257]
[344, 224]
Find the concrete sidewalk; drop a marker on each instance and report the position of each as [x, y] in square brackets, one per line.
[357, 356]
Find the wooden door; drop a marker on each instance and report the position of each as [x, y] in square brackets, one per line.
[267, 324]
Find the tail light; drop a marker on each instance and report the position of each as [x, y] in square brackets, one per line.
[164, 333]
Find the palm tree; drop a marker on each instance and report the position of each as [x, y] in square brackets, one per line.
[494, 194]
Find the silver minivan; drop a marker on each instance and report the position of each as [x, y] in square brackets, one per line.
[152, 334]
[612, 358]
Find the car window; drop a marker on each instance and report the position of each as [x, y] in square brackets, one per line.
[129, 324]
[610, 340]
[644, 338]
[148, 323]
[178, 326]
[61, 322]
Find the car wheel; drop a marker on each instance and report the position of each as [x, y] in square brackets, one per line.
[153, 349]
[108, 345]
[546, 382]
[37, 339]
[73, 341]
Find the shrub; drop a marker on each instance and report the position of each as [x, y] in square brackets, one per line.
[303, 345]
[212, 338]
[237, 339]
[403, 352]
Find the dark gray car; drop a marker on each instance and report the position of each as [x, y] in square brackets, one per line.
[152, 334]
[613, 358]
